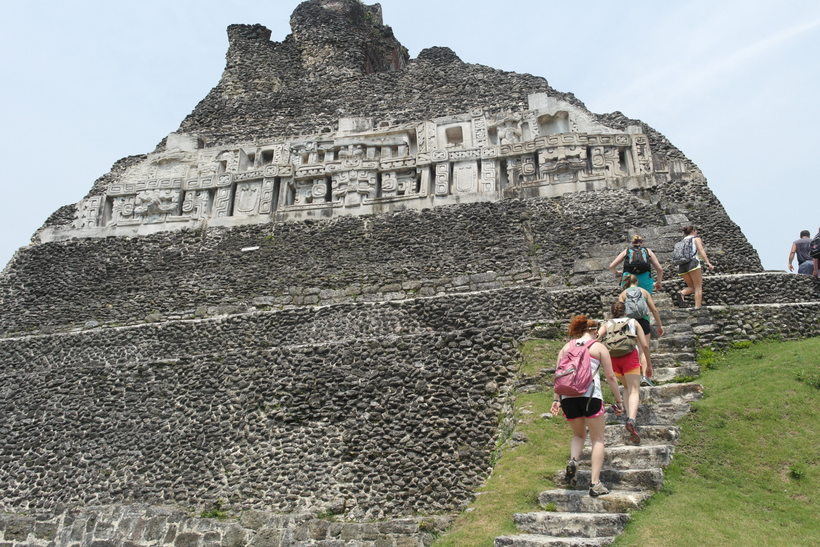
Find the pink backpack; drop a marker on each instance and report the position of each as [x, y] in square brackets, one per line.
[573, 376]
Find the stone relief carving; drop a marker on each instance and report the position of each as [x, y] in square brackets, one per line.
[470, 153]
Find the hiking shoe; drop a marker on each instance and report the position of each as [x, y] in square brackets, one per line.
[572, 467]
[634, 436]
[679, 301]
[647, 382]
[598, 489]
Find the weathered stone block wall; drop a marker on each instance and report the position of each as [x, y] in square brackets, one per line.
[450, 249]
[336, 323]
[144, 526]
[722, 326]
[390, 426]
[368, 410]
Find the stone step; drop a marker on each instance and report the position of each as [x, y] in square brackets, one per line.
[654, 414]
[671, 359]
[590, 525]
[579, 501]
[677, 331]
[615, 434]
[663, 375]
[537, 540]
[674, 343]
[674, 327]
[621, 479]
[682, 314]
[668, 308]
[671, 393]
[626, 456]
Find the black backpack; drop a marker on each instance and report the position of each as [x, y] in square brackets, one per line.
[814, 246]
[636, 262]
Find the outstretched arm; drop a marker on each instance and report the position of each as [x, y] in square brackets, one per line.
[618, 260]
[658, 269]
[654, 311]
[791, 256]
[702, 252]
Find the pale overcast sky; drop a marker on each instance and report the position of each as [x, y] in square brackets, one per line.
[734, 84]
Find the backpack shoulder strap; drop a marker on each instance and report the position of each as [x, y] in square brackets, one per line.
[589, 345]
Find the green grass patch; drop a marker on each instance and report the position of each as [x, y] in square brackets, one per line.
[745, 471]
[706, 357]
[538, 354]
[215, 512]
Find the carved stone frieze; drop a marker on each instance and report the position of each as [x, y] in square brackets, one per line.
[473, 153]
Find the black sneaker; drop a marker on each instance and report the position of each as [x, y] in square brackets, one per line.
[632, 428]
[679, 301]
[598, 489]
[572, 467]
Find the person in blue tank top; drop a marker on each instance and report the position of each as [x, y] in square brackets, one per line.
[638, 261]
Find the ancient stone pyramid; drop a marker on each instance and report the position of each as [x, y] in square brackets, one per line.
[306, 301]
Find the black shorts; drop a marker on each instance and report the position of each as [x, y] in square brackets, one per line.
[644, 323]
[581, 407]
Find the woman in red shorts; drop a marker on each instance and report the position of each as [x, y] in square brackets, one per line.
[587, 411]
[627, 368]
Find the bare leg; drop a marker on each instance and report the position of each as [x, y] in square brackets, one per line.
[579, 433]
[596, 437]
[643, 351]
[642, 357]
[697, 280]
[632, 394]
[690, 284]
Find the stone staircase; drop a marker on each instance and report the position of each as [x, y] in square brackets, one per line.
[632, 473]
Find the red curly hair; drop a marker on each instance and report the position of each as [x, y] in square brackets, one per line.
[580, 324]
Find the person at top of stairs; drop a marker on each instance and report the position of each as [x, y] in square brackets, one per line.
[691, 271]
[587, 411]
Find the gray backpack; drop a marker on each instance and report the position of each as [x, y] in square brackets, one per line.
[635, 303]
[684, 251]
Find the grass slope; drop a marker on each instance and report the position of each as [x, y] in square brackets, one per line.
[744, 473]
